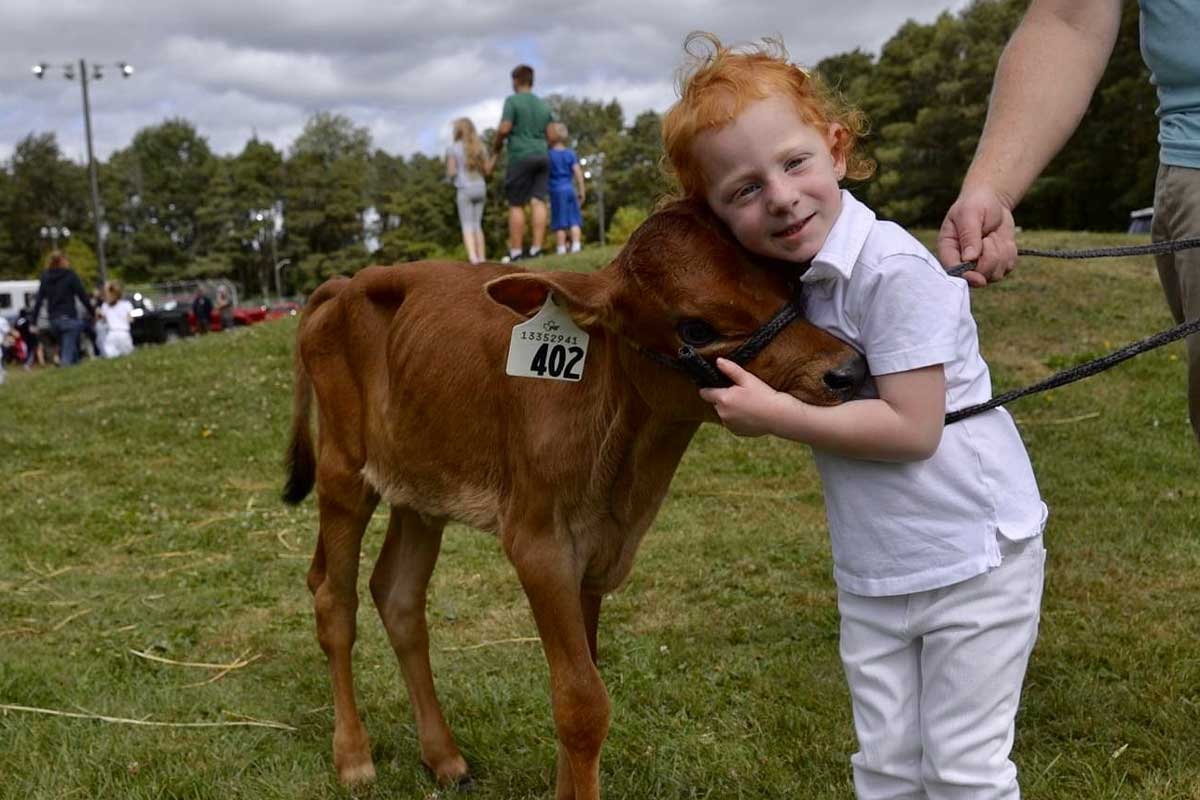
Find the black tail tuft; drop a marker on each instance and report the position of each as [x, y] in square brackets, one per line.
[300, 462]
[301, 470]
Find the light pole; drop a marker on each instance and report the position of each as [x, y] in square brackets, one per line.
[262, 217]
[594, 169]
[52, 232]
[39, 70]
[279, 265]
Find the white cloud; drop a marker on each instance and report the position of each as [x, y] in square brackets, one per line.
[403, 69]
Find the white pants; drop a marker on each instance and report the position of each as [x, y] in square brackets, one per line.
[935, 678]
[117, 343]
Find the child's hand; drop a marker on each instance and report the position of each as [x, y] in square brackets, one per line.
[749, 407]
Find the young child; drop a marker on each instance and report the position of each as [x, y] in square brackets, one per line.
[936, 532]
[566, 190]
[467, 164]
[118, 318]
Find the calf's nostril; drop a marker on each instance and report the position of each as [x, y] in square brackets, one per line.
[847, 377]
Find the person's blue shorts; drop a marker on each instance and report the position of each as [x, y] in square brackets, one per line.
[564, 210]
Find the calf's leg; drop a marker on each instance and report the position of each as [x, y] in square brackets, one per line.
[333, 581]
[398, 586]
[590, 604]
[581, 704]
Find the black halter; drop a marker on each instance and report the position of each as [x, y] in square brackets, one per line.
[705, 374]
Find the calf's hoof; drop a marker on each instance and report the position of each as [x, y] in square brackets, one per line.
[452, 773]
[357, 774]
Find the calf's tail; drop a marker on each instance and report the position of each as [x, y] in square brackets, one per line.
[300, 461]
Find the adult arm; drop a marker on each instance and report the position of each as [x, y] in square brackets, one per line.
[1044, 82]
[502, 132]
[451, 166]
[77, 288]
[904, 424]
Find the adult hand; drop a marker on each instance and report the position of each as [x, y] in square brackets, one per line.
[749, 407]
[979, 227]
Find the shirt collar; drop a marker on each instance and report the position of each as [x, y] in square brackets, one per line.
[837, 257]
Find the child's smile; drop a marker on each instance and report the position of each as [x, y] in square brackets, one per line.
[773, 179]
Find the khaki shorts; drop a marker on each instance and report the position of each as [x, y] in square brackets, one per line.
[1177, 216]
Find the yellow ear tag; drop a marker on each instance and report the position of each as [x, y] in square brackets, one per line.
[548, 345]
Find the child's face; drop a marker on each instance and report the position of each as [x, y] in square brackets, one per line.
[773, 179]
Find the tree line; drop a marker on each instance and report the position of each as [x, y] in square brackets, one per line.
[333, 202]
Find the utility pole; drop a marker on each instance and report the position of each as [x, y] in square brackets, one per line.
[97, 210]
[39, 71]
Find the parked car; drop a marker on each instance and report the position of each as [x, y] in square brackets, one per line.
[158, 324]
[284, 308]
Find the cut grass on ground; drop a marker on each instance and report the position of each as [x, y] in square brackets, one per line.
[141, 514]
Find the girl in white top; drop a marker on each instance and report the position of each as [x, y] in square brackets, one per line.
[118, 318]
[936, 531]
[467, 164]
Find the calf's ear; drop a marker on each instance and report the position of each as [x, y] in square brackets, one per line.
[585, 296]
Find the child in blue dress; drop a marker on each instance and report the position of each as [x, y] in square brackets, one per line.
[566, 191]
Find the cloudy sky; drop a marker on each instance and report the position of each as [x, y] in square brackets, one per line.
[402, 68]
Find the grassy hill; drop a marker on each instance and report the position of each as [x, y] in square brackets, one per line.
[140, 513]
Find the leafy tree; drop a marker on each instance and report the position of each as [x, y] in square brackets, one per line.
[624, 222]
[332, 137]
[156, 188]
[588, 121]
[326, 188]
[42, 189]
[235, 243]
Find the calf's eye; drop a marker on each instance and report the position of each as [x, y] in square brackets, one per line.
[696, 332]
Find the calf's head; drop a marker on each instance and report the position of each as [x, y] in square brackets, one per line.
[682, 279]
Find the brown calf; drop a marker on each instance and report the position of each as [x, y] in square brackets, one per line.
[408, 367]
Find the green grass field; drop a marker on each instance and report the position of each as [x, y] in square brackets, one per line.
[140, 513]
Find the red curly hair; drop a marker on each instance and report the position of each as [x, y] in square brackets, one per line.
[718, 82]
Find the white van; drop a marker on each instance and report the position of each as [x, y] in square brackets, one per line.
[14, 295]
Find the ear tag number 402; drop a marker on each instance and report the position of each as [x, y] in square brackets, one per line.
[548, 345]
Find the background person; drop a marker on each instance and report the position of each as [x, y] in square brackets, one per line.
[566, 191]
[117, 314]
[524, 124]
[59, 288]
[202, 308]
[939, 575]
[1042, 88]
[467, 164]
[224, 308]
[24, 326]
[93, 326]
[6, 343]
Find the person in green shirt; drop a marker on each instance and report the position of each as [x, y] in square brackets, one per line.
[524, 124]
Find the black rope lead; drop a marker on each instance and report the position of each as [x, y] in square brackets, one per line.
[1082, 370]
[1154, 248]
[1089, 368]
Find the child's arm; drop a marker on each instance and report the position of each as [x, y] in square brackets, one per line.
[904, 424]
[451, 166]
[580, 189]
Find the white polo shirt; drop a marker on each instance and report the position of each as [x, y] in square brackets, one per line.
[910, 527]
